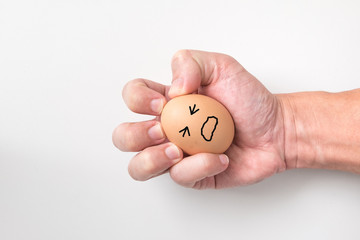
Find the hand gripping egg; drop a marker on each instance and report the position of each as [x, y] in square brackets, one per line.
[197, 123]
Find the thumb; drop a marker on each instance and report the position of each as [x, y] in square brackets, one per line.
[192, 69]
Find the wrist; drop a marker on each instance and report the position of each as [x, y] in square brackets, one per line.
[299, 147]
[322, 130]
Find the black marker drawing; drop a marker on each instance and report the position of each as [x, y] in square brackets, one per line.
[193, 111]
[209, 121]
[184, 130]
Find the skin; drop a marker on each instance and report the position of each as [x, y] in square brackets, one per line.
[272, 132]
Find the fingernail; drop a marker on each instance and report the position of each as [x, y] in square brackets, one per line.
[224, 159]
[172, 152]
[176, 87]
[155, 132]
[156, 105]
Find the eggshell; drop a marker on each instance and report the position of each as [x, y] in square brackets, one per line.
[197, 123]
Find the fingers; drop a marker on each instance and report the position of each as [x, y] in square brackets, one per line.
[137, 136]
[192, 69]
[197, 167]
[144, 96]
[153, 161]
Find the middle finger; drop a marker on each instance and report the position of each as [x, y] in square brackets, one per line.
[133, 137]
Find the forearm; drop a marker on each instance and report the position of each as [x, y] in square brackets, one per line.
[322, 130]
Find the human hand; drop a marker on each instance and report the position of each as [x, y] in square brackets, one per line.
[257, 151]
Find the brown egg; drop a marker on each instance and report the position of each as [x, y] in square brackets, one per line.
[197, 123]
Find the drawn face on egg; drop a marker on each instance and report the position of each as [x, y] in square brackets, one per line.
[208, 127]
[197, 123]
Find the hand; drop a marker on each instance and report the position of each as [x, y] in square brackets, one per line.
[257, 151]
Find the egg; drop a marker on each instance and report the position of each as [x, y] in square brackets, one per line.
[198, 123]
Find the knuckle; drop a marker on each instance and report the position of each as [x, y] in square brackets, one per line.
[180, 54]
[119, 135]
[138, 167]
[174, 174]
[230, 63]
[206, 165]
[114, 137]
[134, 174]
[131, 99]
[178, 177]
[129, 141]
[125, 90]
[124, 139]
[148, 165]
[129, 85]
[133, 102]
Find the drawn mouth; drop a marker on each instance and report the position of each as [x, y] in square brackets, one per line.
[208, 128]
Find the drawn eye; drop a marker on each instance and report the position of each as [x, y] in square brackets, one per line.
[184, 131]
[193, 110]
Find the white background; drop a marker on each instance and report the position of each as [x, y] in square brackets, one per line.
[62, 68]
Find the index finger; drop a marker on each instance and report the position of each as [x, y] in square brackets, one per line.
[144, 96]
